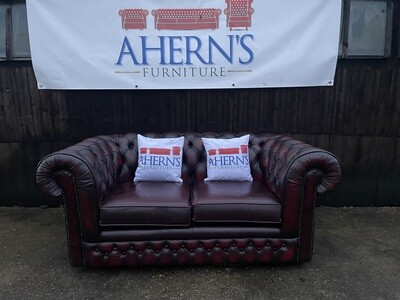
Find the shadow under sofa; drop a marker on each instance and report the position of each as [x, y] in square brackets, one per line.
[113, 221]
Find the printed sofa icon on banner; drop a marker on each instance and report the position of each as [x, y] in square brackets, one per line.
[186, 19]
[238, 13]
[134, 18]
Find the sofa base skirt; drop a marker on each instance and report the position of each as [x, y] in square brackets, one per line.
[211, 252]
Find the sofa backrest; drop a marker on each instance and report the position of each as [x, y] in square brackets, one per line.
[186, 13]
[133, 13]
[194, 155]
[239, 8]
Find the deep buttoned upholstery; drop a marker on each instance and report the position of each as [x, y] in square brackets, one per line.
[110, 221]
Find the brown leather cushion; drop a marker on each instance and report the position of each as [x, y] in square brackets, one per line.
[147, 204]
[234, 201]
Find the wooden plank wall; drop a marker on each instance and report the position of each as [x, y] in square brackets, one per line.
[357, 119]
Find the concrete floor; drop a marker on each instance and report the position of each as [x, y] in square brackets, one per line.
[357, 256]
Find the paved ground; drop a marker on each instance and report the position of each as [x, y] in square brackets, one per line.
[357, 256]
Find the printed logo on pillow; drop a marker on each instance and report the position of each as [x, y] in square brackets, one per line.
[160, 158]
[228, 158]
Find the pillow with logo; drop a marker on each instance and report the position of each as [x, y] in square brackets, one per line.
[159, 159]
[228, 159]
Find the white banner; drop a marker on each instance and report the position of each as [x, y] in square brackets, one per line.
[175, 44]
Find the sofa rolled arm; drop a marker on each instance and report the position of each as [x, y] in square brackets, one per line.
[94, 164]
[286, 161]
[82, 175]
[295, 171]
[56, 163]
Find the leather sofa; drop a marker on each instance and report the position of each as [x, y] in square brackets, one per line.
[186, 19]
[113, 221]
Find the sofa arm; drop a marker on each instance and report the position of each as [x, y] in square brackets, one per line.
[286, 161]
[294, 171]
[94, 165]
[83, 175]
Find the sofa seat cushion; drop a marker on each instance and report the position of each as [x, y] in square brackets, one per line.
[234, 201]
[243, 18]
[133, 20]
[147, 204]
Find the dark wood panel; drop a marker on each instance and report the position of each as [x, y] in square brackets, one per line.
[318, 140]
[27, 113]
[367, 103]
[266, 105]
[17, 172]
[364, 102]
[360, 159]
[357, 119]
[389, 174]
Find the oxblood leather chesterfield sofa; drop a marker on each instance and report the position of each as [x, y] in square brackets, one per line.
[112, 221]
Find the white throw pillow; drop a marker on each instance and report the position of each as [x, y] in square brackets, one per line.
[228, 159]
[159, 159]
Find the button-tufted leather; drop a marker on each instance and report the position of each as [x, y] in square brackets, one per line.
[219, 252]
[89, 172]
